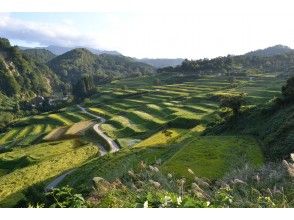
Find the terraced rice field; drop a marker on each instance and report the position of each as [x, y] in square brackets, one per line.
[31, 129]
[142, 108]
[149, 121]
[137, 113]
[39, 163]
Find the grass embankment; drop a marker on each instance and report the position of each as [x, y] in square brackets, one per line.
[213, 156]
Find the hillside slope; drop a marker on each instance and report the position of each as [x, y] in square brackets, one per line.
[39, 55]
[21, 76]
[76, 63]
[160, 63]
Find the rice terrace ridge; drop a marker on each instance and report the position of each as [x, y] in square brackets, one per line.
[90, 122]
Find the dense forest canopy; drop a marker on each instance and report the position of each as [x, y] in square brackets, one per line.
[76, 63]
[238, 65]
[21, 76]
[39, 55]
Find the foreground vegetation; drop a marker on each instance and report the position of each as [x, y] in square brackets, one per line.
[269, 186]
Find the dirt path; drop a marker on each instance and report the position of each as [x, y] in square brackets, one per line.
[113, 146]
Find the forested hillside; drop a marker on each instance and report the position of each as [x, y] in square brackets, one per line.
[270, 51]
[282, 65]
[160, 63]
[76, 63]
[39, 55]
[20, 76]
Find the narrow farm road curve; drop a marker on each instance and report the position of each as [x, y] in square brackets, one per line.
[113, 147]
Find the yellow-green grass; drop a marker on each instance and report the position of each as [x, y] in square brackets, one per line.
[60, 118]
[213, 156]
[69, 131]
[185, 113]
[56, 134]
[38, 129]
[148, 117]
[24, 135]
[126, 122]
[78, 128]
[50, 161]
[100, 112]
[128, 142]
[8, 136]
[24, 132]
[161, 138]
[48, 128]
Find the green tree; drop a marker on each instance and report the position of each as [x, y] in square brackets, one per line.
[233, 102]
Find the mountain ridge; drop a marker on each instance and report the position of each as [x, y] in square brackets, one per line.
[270, 51]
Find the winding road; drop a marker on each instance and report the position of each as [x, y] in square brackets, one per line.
[113, 147]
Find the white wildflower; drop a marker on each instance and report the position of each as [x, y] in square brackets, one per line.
[236, 181]
[146, 204]
[155, 169]
[151, 168]
[285, 164]
[167, 201]
[170, 175]
[154, 183]
[179, 200]
[131, 173]
[191, 171]
[257, 178]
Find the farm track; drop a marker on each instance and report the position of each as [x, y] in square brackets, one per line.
[113, 146]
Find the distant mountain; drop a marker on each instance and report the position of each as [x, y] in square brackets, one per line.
[160, 63]
[58, 50]
[39, 55]
[21, 76]
[73, 65]
[270, 51]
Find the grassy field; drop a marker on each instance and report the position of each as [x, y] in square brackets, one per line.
[25, 167]
[213, 156]
[30, 130]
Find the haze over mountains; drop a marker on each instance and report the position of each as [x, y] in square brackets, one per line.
[159, 62]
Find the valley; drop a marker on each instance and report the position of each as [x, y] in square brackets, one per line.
[146, 120]
[109, 131]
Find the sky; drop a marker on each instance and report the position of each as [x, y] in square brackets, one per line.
[173, 29]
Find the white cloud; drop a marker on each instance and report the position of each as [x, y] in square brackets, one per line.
[193, 33]
[61, 34]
